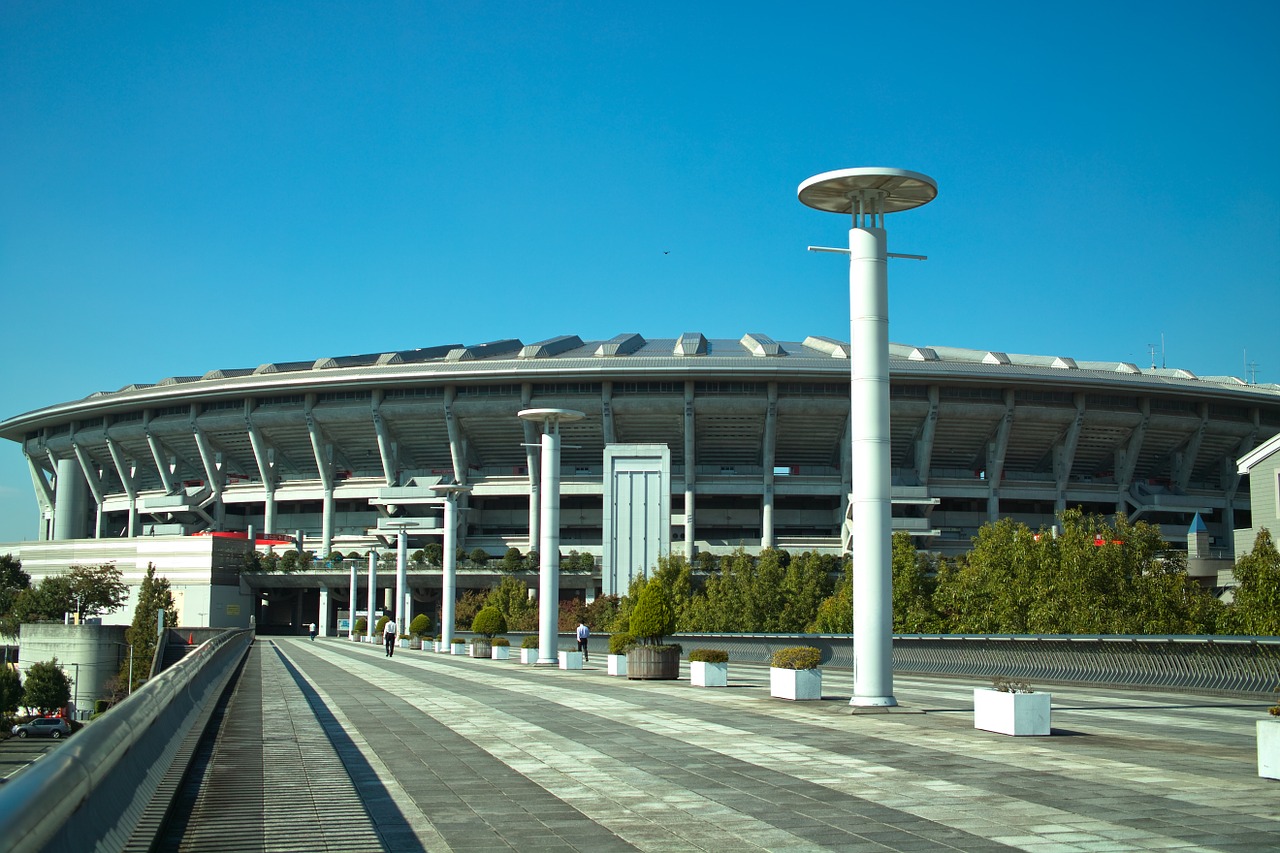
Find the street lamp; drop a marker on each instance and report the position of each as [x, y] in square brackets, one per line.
[867, 194]
[449, 560]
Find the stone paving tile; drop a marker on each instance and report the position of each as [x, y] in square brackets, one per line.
[614, 765]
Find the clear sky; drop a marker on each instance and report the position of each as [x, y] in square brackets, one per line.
[191, 186]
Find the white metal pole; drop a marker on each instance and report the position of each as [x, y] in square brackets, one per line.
[871, 500]
[373, 592]
[449, 571]
[549, 547]
[402, 581]
[351, 603]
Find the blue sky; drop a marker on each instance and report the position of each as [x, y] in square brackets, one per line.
[186, 187]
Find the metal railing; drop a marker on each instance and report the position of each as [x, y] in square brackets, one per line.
[111, 781]
[1242, 666]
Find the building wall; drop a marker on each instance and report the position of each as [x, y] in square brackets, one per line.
[89, 654]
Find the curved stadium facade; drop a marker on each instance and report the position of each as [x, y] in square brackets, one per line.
[754, 432]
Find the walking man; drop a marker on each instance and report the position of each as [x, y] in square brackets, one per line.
[390, 636]
[583, 633]
[312, 630]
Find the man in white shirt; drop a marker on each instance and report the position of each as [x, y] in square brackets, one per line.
[390, 636]
[583, 633]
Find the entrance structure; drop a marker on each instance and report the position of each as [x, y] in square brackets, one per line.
[867, 194]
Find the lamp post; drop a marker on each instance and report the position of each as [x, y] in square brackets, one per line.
[867, 194]
[351, 606]
[449, 559]
[549, 538]
[373, 590]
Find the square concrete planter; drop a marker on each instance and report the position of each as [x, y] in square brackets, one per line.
[458, 649]
[500, 653]
[796, 684]
[528, 656]
[1018, 714]
[1269, 748]
[571, 660]
[404, 644]
[618, 665]
[704, 674]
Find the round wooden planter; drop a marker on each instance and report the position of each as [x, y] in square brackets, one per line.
[481, 650]
[646, 663]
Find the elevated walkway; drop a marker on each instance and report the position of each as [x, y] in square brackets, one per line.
[330, 745]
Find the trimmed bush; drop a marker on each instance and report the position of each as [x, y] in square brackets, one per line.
[620, 642]
[654, 617]
[489, 621]
[709, 656]
[459, 641]
[529, 642]
[361, 626]
[500, 641]
[380, 624]
[796, 657]
[421, 625]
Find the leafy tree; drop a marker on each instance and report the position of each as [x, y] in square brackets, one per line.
[654, 617]
[511, 597]
[489, 621]
[469, 604]
[433, 553]
[10, 691]
[289, 561]
[387, 561]
[808, 581]
[419, 558]
[154, 598]
[512, 561]
[913, 586]
[47, 601]
[46, 688]
[479, 556]
[97, 589]
[532, 561]
[601, 612]
[1256, 610]
[835, 614]
[13, 580]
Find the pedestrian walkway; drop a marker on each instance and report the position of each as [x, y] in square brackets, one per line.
[429, 751]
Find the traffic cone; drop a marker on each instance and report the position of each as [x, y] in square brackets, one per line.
[191, 639]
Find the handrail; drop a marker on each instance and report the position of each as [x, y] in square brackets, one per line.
[92, 791]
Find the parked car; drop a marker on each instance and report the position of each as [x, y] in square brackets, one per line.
[54, 727]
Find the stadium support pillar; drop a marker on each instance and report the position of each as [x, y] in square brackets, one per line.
[322, 620]
[449, 560]
[352, 592]
[326, 524]
[402, 581]
[549, 545]
[69, 502]
[770, 454]
[531, 463]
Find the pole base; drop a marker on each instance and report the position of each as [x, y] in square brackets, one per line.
[873, 702]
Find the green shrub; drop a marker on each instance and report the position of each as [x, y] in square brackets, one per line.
[529, 642]
[459, 641]
[620, 642]
[489, 621]
[654, 617]
[709, 656]
[796, 657]
[501, 641]
[361, 626]
[421, 625]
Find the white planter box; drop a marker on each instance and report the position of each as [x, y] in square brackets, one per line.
[1019, 714]
[704, 674]
[404, 644]
[795, 683]
[458, 649]
[571, 660]
[499, 653]
[528, 655]
[618, 665]
[1269, 748]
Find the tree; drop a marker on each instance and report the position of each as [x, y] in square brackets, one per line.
[835, 614]
[10, 691]
[489, 621]
[469, 604]
[1256, 610]
[421, 625]
[653, 617]
[433, 553]
[97, 589]
[511, 596]
[13, 580]
[512, 561]
[46, 688]
[154, 598]
[479, 556]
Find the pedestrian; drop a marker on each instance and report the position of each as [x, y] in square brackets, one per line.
[583, 633]
[390, 636]
[313, 632]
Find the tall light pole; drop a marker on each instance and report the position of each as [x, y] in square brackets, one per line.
[449, 560]
[867, 194]
[373, 590]
[549, 538]
[351, 607]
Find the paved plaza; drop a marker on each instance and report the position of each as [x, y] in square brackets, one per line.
[330, 745]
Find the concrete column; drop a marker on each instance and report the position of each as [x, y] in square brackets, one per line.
[373, 593]
[690, 476]
[322, 623]
[351, 607]
[449, 562]
[769, 456]
[70, 501]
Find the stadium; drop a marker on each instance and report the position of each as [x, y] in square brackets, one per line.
[744, 443]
